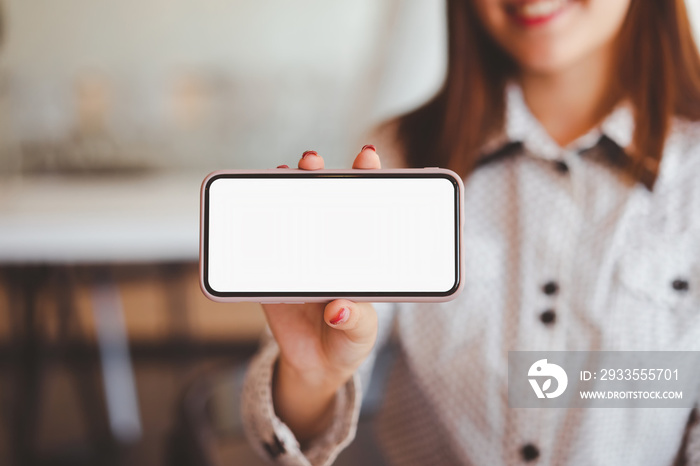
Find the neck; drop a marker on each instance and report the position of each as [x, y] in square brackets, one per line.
[570, 102]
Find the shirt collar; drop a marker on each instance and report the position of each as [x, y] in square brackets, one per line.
[520, 126]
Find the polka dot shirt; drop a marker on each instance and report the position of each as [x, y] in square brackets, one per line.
[563, 251]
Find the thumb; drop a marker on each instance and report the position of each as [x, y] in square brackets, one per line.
[357, 320]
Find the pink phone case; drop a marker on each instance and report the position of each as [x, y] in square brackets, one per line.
[307, 299]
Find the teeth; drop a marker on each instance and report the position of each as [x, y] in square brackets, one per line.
[540, 9]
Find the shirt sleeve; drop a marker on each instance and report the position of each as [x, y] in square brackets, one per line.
[272, 439]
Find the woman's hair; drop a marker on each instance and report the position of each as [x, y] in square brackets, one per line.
[659, 71]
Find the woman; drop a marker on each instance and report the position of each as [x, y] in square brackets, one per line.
[574, 123]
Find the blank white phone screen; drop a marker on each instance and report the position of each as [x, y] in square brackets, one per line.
[332, 234]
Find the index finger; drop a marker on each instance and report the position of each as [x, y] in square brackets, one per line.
[367, 158]
[310, 160]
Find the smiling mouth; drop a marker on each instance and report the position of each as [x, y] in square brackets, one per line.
[531, 13]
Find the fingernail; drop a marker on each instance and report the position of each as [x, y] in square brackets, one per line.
[282, 166]
[369, 146]
[341, 317]
[309, 152]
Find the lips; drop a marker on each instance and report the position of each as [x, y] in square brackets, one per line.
[531, 13]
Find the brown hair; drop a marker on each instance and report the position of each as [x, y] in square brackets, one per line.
[659, 72]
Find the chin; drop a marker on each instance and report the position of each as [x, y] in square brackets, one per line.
[545, 62]
[548, 36]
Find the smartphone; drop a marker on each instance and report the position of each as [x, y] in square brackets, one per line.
[295, 236]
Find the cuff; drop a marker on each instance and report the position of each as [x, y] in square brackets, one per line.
[271, 437]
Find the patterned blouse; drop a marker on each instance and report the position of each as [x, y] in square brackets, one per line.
[563, 251]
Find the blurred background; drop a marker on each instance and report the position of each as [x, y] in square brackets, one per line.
[111, 114]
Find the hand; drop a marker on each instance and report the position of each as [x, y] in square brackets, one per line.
[321, 345]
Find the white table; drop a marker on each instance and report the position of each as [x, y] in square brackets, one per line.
[55, 221]
[100, 219]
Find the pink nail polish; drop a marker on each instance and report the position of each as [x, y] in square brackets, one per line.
[308, 152]
[341, 317]
[369, 146]
[282, 166]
